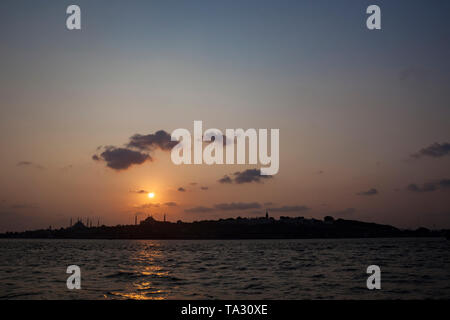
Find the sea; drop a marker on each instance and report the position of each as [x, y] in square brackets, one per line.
[410, 268]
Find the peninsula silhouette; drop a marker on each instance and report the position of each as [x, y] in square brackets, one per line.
[239, 228]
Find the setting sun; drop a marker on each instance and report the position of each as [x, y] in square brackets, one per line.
[151, 195]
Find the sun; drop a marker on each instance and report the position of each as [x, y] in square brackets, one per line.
[151, 195]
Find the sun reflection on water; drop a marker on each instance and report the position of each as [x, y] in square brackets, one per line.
[137, 296]
[148, 275]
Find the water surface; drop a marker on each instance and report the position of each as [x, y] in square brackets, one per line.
[225, 269]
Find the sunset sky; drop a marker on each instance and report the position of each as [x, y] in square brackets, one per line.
[364, 116]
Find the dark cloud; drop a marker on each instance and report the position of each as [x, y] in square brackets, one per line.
[121, 158]
[193, 183]
[24, 163]
[160, 139]
[136, 150]
[140, 191]
[29, 164]
[247, 176]
[199, 209]
[370, 192]
[296, 208]
[170, 204]
[444, 183]
[204, 188]
[429, 186]
[181, 189]
[435, 150]
[237, 206]
[268, 203]
[225, 179]
[148, 206]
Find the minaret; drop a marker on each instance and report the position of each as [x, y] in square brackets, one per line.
[135, 220]
[267, 214]
[71, 221]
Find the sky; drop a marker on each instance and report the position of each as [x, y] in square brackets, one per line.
[364, 115]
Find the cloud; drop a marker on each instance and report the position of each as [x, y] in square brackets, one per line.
[240, 206]
[296, 208]
[435, 150]
[121, 158]
[160, 139]
[247, 176]
[237, 206]
[430, 186]
[199, 209]
[136, 151]
[444, 183]
[148, 206]
[140, 191]
[225, 179]
[427, 187]
[200, 187]
[170, 204]
[24, 163]
[370, 192]
[181, 189]
[29, 164]
[233, 206]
